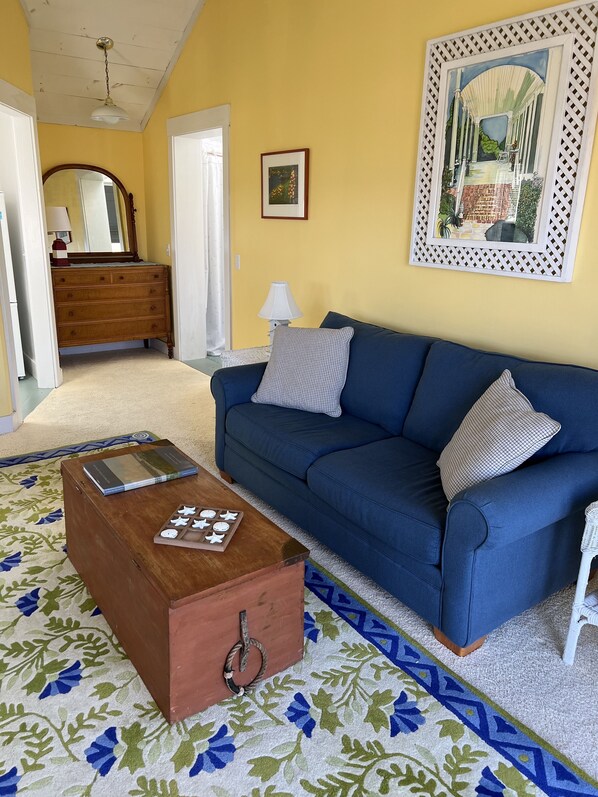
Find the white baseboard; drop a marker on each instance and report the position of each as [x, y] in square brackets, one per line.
[8, 423]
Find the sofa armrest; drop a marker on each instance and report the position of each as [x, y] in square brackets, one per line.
[232, 386]
[511, 541]
[500, 511]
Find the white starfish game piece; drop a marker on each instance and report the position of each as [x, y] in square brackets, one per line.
[179, 521]
[228, 515]
[200, 524]
[212, 538]
[187, 510]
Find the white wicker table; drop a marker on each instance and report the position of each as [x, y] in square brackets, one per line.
[585, 607]
[257, 354]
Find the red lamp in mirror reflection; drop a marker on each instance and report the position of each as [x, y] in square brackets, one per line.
[57, 222]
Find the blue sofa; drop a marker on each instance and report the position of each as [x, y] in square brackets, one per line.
[367, 485]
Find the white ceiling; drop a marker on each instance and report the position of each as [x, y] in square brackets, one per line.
[68, 69]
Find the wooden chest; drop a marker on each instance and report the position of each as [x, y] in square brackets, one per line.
[103, 304]
[176, 610]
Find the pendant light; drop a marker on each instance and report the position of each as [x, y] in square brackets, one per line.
[108, 112]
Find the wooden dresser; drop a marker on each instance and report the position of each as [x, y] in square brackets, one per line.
[103, 304]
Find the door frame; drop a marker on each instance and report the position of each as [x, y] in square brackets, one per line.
[40, 301]
[183, 282]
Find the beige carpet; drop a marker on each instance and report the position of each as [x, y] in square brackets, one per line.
[519, 667]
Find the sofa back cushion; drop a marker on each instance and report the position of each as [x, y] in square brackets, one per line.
[454, 377]
[384, 369]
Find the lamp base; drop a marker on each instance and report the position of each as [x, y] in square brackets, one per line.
[274, 322]
[59, 256]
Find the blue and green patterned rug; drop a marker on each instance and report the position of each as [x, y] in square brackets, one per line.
[367, 712]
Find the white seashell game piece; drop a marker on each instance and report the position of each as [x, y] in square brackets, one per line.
[204, 527]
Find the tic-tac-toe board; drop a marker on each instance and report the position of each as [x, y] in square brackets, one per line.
[206, 527]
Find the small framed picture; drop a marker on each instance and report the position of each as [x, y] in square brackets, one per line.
[285, 178]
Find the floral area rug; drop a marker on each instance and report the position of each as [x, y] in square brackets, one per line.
[367, 712]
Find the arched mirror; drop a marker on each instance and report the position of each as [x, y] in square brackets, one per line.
[100, 211]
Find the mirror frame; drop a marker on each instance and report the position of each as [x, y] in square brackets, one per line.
[131, 255]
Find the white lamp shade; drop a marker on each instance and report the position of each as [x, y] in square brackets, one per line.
[280, 304]
[109, 113]
[57, 219]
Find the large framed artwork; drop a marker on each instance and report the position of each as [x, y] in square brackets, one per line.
[507, 126]
[285, 184]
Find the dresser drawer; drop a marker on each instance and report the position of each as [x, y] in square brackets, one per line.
[108, 292]
[101, 332]
[134, 274]
[82, 276]
[108, 276]
[109, 311]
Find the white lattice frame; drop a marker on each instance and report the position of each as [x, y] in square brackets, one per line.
[556, 258]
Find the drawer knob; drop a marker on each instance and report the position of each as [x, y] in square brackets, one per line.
[121, 276]
[71, 313]
[156, 276]
[102, 279]
[62, 279]
[73, 332]
[69, 296]
[152, 307]
[154, 326]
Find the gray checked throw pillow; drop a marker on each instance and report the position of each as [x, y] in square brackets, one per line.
[499, 432]
[307, 369]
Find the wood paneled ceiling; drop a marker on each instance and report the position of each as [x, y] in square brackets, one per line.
[68, 69]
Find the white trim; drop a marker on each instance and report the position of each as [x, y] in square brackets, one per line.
[8, 423]
[210, 119]
[21, 106]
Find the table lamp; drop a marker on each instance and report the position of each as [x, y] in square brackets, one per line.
[279, 308]
[57, 220]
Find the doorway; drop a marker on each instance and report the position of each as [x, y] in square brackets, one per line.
[199, 215]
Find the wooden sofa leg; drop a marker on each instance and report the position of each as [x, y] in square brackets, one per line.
[458, 651]
[227, 477]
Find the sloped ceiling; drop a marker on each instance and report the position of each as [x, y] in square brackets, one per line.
[68, 69]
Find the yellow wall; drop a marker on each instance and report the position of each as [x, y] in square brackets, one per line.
[117, 151]
[344, 78]
[15, 61]
[15, 68]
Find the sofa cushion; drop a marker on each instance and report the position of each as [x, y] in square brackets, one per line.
[453, 379]
[455, 376]
[307, 369]
[384, 369]
[500, 432]
[391, 489]
[291, 439]
[567, 393]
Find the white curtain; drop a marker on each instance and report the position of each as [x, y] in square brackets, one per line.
[213, 249]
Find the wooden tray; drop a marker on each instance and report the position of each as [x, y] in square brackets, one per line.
[206, 527]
